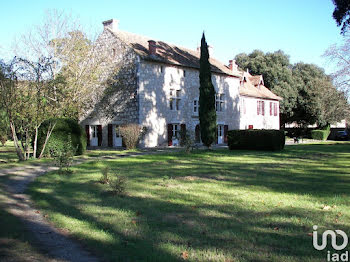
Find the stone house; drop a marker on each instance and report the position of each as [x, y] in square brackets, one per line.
[156, 85]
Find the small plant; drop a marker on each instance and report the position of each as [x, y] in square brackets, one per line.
[105, 175]
[118, 185]
[64, 156]
[186, 141]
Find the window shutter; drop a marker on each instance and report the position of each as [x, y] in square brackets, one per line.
[87, 130]
[263, 107]
[271, 108]
[183, 134]
[275, 113]
[99, 135]
[110, 135]
[216, 135]
[170, 134]
[225, 133]
[198, 134]
[258, 107]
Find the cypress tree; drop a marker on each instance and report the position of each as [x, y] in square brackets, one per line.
[207, 112]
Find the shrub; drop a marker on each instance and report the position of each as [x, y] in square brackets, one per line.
[118, 185]
[131, 134]
[256, 139]
[3, 139]
[63, 156]
[105, 175]
[64, 129]
[320, 134]
[186, 141]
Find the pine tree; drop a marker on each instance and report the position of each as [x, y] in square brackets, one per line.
[207, 112]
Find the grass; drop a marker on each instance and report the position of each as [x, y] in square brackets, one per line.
[205, 206]
[9, 159]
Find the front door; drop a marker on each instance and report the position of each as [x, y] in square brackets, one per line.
[93, 136]
[117, 141]
[220, 134]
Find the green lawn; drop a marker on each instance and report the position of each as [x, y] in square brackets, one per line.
[205, 206]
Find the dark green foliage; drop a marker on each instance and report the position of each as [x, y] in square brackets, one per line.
[320, 134]
[256, 139]
[207, 112]
[63, 156]
[341, 14]
[64, 130]
[118, 185]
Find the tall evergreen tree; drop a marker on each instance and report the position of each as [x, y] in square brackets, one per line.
[207, 112]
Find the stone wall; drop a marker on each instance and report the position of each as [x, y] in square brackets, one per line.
[155, 82]
[118, 103]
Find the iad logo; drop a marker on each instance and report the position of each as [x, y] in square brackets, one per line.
[333, 235]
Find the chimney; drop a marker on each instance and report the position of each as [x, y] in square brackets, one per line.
[112, 24]
[152, 47]
[232, 65]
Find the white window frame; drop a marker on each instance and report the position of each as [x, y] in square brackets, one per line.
[220, 102]
[176, 130]
[174, 100]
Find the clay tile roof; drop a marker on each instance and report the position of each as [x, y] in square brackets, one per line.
[255, 80]
[252, 88]
[170, 54]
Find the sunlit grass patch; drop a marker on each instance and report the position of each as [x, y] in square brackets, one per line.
[205, 206]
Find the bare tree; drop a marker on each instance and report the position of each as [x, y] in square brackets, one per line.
[339, 56]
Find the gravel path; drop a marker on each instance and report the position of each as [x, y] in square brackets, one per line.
[53, 241]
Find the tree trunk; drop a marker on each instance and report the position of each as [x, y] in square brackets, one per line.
[15, 140]
[48, 134]
[35, 146]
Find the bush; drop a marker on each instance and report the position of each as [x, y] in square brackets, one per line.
[64, 129]
[131, 134]
[320, 134]
[105, 175]
[64, 156]
[118, 185]
[256, 139]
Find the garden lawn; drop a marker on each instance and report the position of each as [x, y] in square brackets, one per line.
[206, 206]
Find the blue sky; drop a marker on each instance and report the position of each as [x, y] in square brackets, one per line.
[301, 28]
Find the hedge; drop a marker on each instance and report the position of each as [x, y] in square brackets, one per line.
[320, 134]
[256, 139]
[65, 130]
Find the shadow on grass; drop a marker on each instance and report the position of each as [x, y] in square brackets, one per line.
[159, 224]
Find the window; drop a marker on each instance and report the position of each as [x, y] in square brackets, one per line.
[114, 52]
[174, 102]
[273, 109]
[176, 130]
[195, 106]
[261, 107]
[219, 102]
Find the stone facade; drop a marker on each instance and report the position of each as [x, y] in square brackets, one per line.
[119, 103]
[155, 83]
[145, 88]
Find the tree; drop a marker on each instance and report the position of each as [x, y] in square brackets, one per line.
[341, 14]
[339, 55]
[308, 94]
[278, 77]
[207, 111]
[56, 73]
